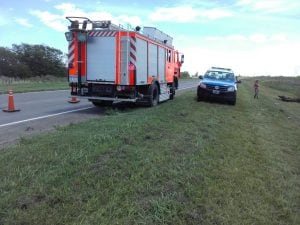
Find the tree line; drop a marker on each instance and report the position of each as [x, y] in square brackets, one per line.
[25, 61]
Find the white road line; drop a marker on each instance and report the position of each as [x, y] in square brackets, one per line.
[43, 117]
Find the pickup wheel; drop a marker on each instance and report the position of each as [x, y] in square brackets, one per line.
[199, 98]
[153, 95]
[232, 102]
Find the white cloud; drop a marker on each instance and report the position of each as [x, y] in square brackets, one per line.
[183, 14]
[134, 20]
[257, 38]
[53, 21]
[24, 22]
[279, 37]
[59, 23]
[236, 37]
[270, 6]
[176, 14]
[246, 56]
[264, 61]
[69, 9]
[214, 14]
[214, 38]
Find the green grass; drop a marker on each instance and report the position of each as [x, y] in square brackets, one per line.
[290, 85]
[183, 162]
[33, 86]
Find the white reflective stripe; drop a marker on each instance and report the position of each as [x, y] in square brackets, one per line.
[102, 33]
[132, 50]
[71, 58]
[71, 53]
[71, 48]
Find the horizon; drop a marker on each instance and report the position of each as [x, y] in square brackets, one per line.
[254, 38]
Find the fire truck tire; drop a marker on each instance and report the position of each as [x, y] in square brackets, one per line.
[102, 103]
[153, 95]
[176, 82]
[172, 91]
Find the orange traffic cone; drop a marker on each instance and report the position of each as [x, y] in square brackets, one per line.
[74, 100]
[11, 104]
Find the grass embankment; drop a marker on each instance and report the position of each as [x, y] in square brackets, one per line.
[290, 85]
[33, 85]
[183, 162]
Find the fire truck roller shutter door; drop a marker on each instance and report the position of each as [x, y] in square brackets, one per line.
[152, 66]
[162, 64]
[141, 62]
[101, 57]
[124, 60]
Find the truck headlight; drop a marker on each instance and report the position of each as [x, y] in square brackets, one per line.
[202, 85]
[230, 88]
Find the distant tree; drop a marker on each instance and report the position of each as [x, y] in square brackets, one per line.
[11, 66]
[184, 74]
[41, 60]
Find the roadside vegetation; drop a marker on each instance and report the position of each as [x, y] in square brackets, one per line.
[44, 83]
[182, 162]
[26, 61]
[290, 85]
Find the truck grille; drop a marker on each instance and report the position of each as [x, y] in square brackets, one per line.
[213, 87]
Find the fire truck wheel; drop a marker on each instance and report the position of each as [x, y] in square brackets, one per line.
[172, 91]
[153, 91]
[176, 82]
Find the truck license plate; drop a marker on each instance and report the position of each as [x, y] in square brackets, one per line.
[216, 92]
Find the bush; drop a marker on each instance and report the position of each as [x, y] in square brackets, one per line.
[11, 66]
[185, 74]
[24, 61]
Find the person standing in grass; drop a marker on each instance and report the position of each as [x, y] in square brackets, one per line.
[256, 89]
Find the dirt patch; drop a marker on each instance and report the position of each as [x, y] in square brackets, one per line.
[288, 99]
[26, 202]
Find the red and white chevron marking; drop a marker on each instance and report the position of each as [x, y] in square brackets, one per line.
[133, 50]
[71, 54]
[102, 33]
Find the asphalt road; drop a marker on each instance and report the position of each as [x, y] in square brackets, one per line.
[44, 111]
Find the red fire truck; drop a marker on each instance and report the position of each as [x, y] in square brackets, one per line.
[108, 63]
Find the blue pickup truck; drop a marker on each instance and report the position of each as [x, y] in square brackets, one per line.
[218, 83]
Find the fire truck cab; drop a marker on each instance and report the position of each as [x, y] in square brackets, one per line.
[108, 63]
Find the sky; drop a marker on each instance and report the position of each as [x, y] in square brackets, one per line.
[253, 37]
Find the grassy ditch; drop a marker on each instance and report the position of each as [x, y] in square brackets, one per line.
[183, 162]
[290, 85]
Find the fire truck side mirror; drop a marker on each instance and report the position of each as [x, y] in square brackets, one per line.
[182, 59]
[69, 36]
